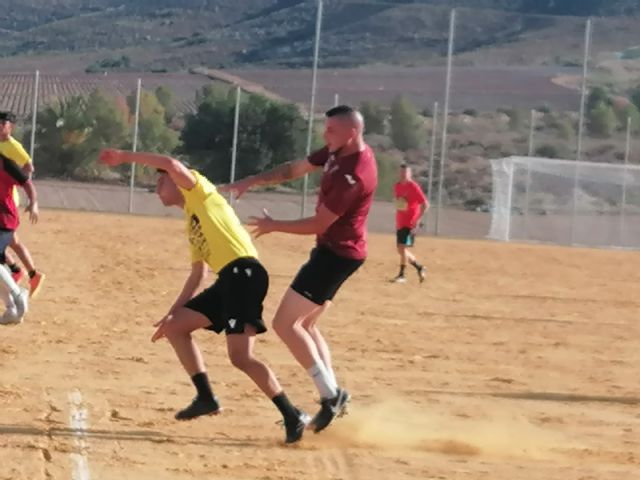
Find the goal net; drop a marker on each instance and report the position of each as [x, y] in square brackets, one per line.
[566, 202]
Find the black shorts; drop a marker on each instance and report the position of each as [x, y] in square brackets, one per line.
[405, 237]
[6, 236]
[235, 299]
[324, 273]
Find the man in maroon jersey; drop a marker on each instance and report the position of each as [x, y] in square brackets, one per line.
[410, 206]
[340, 224]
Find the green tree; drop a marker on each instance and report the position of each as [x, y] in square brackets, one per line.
[548, 151]
[154, 135]
[166, 98]
[632, 112]
[269, 133]
[387, 176]
[374, 117]
[635, 97]
[405, 125]
[597, 96]
[602, 120]
[72, 133]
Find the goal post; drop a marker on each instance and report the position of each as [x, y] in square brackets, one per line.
[565, 202]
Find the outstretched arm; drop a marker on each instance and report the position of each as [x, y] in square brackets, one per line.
[315, 225]
[180, 174]
[280, 174]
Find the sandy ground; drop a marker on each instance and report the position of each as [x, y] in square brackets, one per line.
[511, 362]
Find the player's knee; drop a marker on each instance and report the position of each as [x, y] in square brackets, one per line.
[171, 332]
[241, 360]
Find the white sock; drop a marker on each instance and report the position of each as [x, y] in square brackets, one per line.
[323, 380]
[8, 281]
[332, 376]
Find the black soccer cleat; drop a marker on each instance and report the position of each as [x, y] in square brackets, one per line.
[198, 408]
[295, 425]
[330, 408]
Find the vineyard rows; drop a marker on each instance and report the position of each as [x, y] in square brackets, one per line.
[16, 90]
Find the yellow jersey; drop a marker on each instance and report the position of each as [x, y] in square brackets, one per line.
[14, 151]
[215, 233]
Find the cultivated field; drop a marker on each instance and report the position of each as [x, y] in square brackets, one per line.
[16, 90]
[511, 362]
[481, 88]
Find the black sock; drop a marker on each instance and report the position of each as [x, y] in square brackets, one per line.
[284, 405]
[14, 268]
[402, 267]
[416, 265]
[32, 273]
[201, 382]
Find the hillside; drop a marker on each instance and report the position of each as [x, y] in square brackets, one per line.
[177, 34]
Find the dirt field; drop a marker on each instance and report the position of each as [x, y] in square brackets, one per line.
[512, 362]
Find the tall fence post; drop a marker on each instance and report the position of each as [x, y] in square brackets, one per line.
[445, 114]
[623, 203]
[34, 115]
[432, 159]
[136, 123]
[583, 104]
[234, 148]
[312, 103]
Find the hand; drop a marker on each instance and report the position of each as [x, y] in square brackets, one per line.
[237, 188]
[33, 211]
[263, 225]
[112, 157]
[162, 327]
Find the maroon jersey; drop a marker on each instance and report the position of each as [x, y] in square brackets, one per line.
[10, 176]
[347, 189]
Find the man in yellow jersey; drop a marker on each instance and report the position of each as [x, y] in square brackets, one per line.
[233, 303]
[11, 149]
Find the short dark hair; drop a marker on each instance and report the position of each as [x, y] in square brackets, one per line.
[7, 117]
[338, 111]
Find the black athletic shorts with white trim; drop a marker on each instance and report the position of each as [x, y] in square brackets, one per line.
[235, 299]
[324, 273]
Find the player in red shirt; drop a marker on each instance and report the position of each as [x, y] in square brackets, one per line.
[340, 224]
[410, 206]
[15, 298]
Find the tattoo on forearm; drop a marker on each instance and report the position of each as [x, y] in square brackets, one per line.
[278, 175]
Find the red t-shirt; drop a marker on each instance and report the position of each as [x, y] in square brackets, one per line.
[10, 176]
[347, 189]
[409, 197]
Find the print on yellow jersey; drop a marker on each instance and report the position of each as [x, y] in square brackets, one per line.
[197, 239]
[215, 233]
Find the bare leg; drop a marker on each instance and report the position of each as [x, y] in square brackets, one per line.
[240, 349]
[23, 253]
[184, 322]
[293, 309]
[310, 324]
